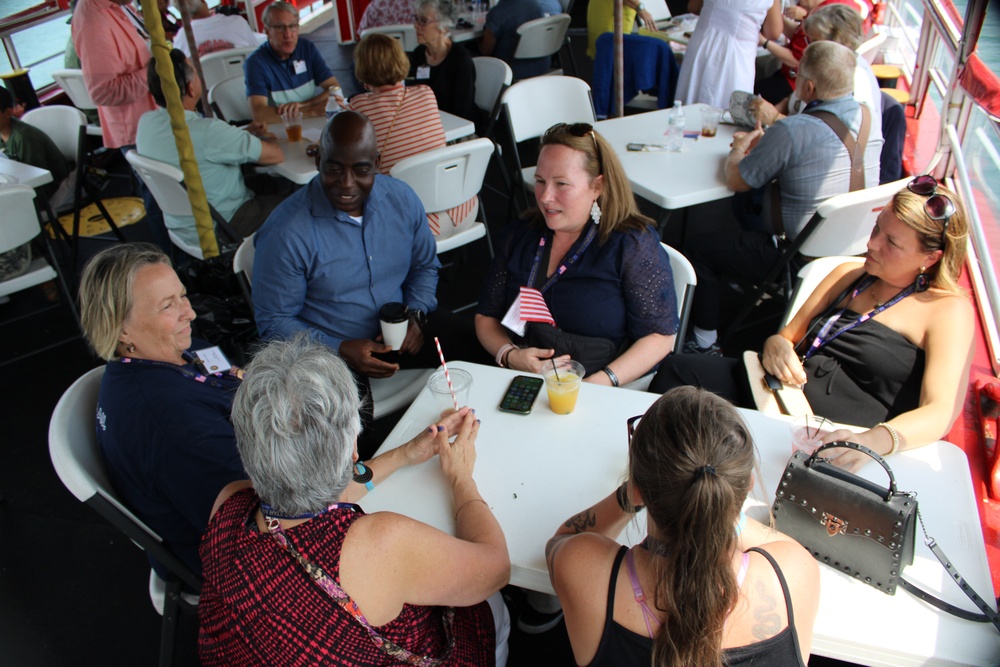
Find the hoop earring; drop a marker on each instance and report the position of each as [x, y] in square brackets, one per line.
[922, 282]
[595, 213]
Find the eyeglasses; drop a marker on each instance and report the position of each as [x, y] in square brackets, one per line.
[578, 130]
[937, 207]
[632, 423]
[280, 27]
[423, 20]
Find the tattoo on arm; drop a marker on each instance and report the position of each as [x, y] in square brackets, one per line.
[582, 521]
[767, 621]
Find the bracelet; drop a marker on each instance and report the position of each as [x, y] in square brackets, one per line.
[502, 352]
[469, 502]
[766, 42]
[895, 437]
[621, 495]
[611, 375]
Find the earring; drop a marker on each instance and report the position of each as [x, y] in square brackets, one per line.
[130, 348]
[595, 213]
[922, 282]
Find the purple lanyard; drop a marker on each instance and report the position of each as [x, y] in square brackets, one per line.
[824, 336]
[581, 246]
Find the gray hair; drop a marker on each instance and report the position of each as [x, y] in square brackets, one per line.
[830, 66]
[445, 10]
[278, 6]
[835, 23]
[106, 292]
[296, 420]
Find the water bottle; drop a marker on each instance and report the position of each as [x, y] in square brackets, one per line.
[675, 127]
[332, 105]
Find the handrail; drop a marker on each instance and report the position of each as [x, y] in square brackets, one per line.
[980, 245]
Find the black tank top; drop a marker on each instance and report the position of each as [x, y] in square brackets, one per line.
[620, 647]
[868, 375]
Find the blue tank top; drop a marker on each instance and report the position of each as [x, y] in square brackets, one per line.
[620, 647]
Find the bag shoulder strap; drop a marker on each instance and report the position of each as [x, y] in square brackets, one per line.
[855, 148]
[988, 615]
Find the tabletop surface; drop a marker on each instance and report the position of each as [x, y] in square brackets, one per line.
[536, 471]
[13, 172]
[300, 168]
[671, 180]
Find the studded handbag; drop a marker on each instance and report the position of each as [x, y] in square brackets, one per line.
[858, 527]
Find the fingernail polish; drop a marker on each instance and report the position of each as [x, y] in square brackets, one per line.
[431, 428]
[473, 410]
[440, 428]
[479, 421]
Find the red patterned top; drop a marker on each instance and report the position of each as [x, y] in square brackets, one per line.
[259, 607]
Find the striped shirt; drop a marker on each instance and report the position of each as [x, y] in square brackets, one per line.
[407, 123]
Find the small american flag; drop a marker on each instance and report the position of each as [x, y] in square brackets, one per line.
[534, 308]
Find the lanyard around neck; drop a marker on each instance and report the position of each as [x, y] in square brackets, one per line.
[579, 248]
[825, 336]
[226, 380]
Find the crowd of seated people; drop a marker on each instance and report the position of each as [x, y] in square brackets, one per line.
[258, 474]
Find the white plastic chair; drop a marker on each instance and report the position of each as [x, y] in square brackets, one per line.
[685, 280]
[19, 226]
[493, 77]
[870, 48]
[534, 105]
[541, 38]
[229, 99]
[810, 276]
[404, 32]
[71, 81]
[840, 226]
[221, 65]
[166, 182]
[77, 460]
[388, 394]
[446, 177]
[68, 129]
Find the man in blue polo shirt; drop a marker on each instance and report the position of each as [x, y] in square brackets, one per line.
[286, 72]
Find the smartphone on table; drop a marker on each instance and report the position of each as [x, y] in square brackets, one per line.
[521, 394]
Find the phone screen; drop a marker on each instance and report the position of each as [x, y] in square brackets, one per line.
[521, 394]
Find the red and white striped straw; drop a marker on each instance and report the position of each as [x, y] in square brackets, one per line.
[447, 376]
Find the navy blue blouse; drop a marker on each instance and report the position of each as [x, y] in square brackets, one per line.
[621, 290]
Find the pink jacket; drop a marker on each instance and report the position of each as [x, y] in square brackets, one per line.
[113, 57]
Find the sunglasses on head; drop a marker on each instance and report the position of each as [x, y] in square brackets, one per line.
[632, 423]
[937, 206]
[578, 130]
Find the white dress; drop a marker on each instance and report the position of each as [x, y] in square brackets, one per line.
[721, 55]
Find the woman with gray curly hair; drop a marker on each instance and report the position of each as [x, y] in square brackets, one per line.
[438, 62]
[381, 588]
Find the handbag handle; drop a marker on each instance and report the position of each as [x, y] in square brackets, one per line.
[864, 450]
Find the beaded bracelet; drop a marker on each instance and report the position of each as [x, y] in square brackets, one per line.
[501, 358]
[895, 437]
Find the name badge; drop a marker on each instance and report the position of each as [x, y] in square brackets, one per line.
[424, 72]
[512, 320]
[213, 359]
[300, 66]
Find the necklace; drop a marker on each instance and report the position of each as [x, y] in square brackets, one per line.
[878, 302]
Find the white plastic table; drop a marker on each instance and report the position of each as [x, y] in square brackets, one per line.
[671, 180]
[536, 471]
[13, 172]
[299, 168]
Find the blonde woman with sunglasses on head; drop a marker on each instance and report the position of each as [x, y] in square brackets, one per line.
[886, 345]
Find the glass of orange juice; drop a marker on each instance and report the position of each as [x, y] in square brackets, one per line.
[562, 381]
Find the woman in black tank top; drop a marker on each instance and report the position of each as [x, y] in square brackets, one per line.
[707, 586]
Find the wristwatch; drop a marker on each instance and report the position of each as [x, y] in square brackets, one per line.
[419, 316]
[641, 7]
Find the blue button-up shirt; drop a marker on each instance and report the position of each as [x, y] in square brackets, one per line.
[318, 269]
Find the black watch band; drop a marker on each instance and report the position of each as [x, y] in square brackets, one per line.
[419, 316]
